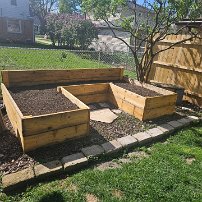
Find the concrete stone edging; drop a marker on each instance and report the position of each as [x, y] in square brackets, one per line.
[77, 161]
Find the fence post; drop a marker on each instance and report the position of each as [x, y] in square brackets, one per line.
[127, 62]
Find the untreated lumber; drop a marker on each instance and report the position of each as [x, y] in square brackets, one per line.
[2, 125]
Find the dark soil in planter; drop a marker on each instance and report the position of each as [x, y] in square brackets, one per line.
[140, 90]
[37, 102]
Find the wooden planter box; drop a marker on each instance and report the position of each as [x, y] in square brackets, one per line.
[143, 108]
[38, 131]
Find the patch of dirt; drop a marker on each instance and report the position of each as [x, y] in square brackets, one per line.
[138, 154]
[138, 89]
[189, 161]
[117, 194]
[91, 198]
[35, 102]
[108, 165]
[124, 160]
[72, 188]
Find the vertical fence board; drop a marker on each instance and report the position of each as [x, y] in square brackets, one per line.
[181, 65]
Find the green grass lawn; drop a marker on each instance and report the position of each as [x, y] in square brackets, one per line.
[171, 172]
[25, 58]
[22, 58]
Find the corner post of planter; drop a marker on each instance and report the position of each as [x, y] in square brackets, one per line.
[2, 124]
[121, 73]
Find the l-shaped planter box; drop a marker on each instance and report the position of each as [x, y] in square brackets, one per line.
[143, 108]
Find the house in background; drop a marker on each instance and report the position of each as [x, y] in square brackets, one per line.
[106, 40]
[16, 25]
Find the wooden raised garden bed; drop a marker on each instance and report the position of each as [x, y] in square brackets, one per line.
[37, 131]
[143, 108]
[45, 129]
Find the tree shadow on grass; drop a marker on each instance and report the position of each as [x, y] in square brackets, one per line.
[52, 197]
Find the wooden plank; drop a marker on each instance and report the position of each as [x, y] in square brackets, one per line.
[73, 99]
[37, 77]
[96, 98]
[134, 98]
[183, 68]
[40, 124]
[174, 41]
[132, 109]
[5, 79]
[164, 74]
[89, 93]
[156, 102]
[126, 106]
[14, 114]
[56, 136]
[158, 112]
[87, 89]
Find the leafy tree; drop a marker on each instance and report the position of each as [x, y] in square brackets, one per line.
[164, 15]
[72, 31]
[86, 32]
[69, 6]
[41, 8]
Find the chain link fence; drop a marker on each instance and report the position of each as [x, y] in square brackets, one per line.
[12, 58]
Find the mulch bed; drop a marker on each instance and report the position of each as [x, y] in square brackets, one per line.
[12, 158]
[140, 90]
[36, 101]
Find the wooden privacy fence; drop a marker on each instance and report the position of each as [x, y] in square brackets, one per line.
[181, 66]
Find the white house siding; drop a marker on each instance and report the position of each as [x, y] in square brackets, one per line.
[21, 11]
[16, 25]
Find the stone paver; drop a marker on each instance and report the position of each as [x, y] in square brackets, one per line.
[155, 133]
[193, 118]
[185, 121]
[127, 141]
[74, 161]
[166, 128]
[103, 115]
[117, 111]
[175, 124]
[93, 151]
[112, 147]
[48, 169]
[142, 137]
[18, 179]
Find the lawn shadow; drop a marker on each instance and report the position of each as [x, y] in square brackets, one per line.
[52, 197]
[60, 150]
